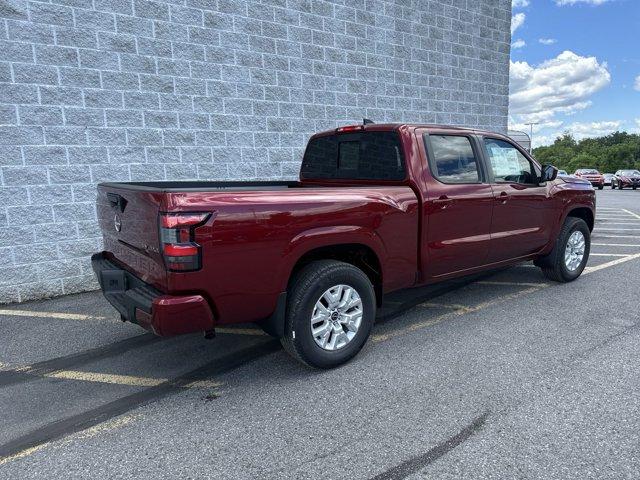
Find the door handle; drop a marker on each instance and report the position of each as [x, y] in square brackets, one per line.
[503, 197]
[443, 201]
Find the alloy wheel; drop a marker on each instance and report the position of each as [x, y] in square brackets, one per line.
[336, 317]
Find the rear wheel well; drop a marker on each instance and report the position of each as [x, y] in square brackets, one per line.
[356, 254]
[585, 214]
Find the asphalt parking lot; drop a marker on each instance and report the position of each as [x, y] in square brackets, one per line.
[503, 376]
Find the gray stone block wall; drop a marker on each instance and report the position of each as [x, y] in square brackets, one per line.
[119, 90]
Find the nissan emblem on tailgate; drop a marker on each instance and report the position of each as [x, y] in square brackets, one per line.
[117, 223]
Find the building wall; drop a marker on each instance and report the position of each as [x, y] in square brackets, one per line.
[118, 90]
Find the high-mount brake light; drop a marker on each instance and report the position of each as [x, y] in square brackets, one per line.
[349, 128]
[177, 238]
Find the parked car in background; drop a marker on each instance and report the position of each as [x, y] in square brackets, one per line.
[563, 173]
[607, 178]
[592, 175]
[377, 208]
[626, 178]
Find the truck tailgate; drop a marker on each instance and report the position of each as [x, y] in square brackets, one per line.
[128, 219]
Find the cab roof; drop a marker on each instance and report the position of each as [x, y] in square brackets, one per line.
[377, 127]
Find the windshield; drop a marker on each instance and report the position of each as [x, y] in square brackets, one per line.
[629, 173]
[588, 171]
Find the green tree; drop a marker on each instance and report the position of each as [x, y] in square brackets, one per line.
[607, 154]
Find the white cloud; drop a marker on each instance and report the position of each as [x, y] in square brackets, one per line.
[636, 84]
[519, 44]
[546, 133]
[547, 41]
[638, 122]
[582, 130]
[517, 21]
[538, 127]
[562, 3]
[560, 85]
[519, 3]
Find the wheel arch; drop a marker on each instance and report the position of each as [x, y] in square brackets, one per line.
[585, 214]
[359, 255]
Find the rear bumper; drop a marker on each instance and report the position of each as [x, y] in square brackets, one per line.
[140, 303]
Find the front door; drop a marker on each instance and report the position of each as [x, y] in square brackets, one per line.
[522, 212]
[459, 203]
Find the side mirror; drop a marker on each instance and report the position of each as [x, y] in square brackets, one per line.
[549, 173]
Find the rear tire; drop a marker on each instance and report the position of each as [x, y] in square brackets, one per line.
[307, 300]
[600, 187]
[560, 265]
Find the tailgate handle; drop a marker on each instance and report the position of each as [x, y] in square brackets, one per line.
[116, 200]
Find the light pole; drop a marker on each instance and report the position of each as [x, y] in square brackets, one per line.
[531, 124]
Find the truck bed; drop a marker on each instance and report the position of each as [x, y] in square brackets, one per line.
[202, 186]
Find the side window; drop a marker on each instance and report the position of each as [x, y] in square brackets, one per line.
[508, 164]
[453, 159]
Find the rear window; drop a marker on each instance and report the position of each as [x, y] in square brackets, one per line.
[355, 156]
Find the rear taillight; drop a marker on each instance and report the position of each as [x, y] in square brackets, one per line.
[177, 240]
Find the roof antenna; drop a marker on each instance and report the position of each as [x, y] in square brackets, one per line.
[367, 121]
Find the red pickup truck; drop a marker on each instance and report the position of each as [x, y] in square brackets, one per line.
[378, 208]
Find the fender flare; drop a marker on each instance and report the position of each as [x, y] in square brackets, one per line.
[307, 241]
[320, 237]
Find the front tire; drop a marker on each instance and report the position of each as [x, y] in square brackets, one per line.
[331, 308]
[600, 187]
[570, 254]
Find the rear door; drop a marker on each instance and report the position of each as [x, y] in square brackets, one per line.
[128, 219]
[523, 210]
[459, 204]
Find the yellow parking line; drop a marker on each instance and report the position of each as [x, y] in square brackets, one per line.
[381, 337]
[79, 316]
[84, 434]
[63, 316]
[523, 284]
[503, 298]
[114, 379]
[131, 380]
[454, 306]
[106, 378]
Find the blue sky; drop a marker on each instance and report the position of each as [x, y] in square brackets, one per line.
[575, 66]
